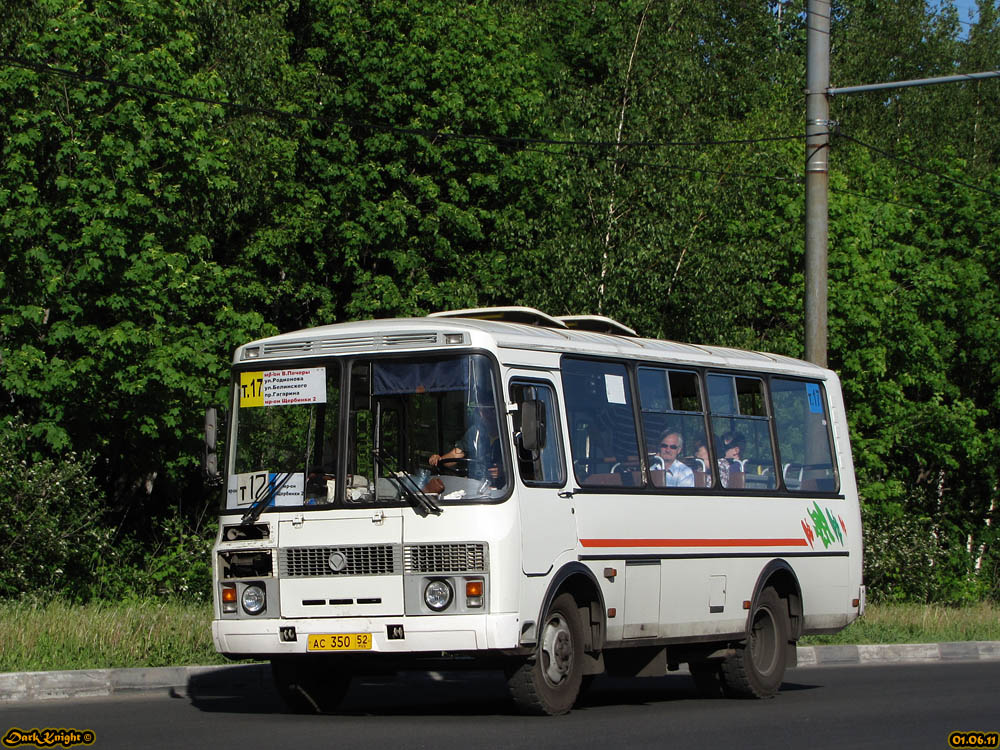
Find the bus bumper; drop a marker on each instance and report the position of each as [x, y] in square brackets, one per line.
[393, 635]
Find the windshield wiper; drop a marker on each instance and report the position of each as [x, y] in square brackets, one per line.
[254, 511]
[413, 492]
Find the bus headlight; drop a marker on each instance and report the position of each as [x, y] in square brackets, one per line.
[438, 595]
[253, 599]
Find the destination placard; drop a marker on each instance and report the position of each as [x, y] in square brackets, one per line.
[283, 387]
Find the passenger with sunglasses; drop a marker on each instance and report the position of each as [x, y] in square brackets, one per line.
[676, 473]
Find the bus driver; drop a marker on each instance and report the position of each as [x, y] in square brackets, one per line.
[479, 444]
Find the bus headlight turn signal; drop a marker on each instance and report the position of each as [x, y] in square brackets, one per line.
[474, 593]
[228, 598]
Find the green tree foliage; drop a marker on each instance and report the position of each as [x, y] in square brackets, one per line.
[147, 231]
[116, 314]
[912, 287]
[390, 203]
[51, 530]
[913, 283]
[668, 207]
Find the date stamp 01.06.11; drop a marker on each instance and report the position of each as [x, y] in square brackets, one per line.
[974, 739]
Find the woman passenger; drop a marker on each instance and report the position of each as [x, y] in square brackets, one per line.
[701, 453]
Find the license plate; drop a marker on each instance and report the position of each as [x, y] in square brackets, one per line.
[340, 642]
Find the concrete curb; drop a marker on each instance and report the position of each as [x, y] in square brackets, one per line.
[236, 679]
[88, 683]
[818, 656]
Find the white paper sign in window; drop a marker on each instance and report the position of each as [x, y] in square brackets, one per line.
[615, 387]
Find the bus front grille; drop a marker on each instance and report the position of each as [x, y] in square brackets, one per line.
[382, 559]
[362, 560]
[445, 558]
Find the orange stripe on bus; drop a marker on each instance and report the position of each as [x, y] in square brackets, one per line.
[694, 543]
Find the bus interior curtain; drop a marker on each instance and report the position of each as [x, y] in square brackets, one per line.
[396, 377]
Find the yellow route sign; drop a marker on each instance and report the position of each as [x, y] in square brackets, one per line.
[251, 389]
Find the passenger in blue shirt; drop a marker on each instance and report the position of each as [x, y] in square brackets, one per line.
[676, 473]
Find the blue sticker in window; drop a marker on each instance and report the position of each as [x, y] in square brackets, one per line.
[815, 398]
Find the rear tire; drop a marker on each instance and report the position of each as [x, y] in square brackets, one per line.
[757, 667]
[309, 686]
[548, 683]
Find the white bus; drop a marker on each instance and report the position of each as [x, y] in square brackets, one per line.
[554, 497]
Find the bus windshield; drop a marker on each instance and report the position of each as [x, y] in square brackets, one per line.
[430, 422]
[426, 426]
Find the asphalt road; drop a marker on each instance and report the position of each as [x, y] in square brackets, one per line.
[913, 706]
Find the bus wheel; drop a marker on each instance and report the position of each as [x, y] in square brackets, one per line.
[549, 682]
[309, 686]
[758, 665]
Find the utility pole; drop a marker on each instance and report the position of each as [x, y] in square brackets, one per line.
[817, 177]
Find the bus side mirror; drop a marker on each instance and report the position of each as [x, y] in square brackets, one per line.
[532, 425]
[211, 459]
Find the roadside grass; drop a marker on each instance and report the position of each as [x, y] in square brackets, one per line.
[55, 635]
[917, 623]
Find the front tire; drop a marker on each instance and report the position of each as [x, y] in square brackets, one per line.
[548, 683]
[758, 665]
[309, 685]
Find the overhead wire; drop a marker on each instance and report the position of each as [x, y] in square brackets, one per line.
[526, 143]
[278, 114]
[914, 165]
[937, 208]
[623, 160]
[876, 198]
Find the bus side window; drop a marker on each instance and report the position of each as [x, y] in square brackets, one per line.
[605, 445]
[802, 425]
[539, 456]
[741, 431]
[670, 401]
